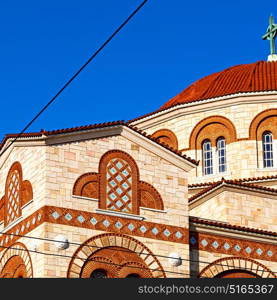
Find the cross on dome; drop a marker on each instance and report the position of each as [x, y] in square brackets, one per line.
[270, 35]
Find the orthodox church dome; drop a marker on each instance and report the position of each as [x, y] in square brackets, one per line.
[255, 77]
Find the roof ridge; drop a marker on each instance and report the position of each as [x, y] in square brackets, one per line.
[239, 180]
[100, 125]
[231, 226]
[230, 182]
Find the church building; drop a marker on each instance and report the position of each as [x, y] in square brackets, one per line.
[189, 190]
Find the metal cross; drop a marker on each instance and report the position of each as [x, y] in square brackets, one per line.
[271, 34]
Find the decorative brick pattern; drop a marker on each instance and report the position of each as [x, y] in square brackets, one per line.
[17, 193]
[115, 224]
[166, 136]
[22, 228]
[122, 186]
[119, 255]
[87, 185]
[149, 196]
[13, 194]
[233, 246]
[118, 186]
[83, 219]
[234, 265]
[211, 128]
[16, 262]
[264, 120]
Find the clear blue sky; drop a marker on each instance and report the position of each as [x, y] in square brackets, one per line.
[167, 46]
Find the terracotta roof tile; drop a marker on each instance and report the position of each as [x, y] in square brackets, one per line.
[231, 183]
[260, 76]
[248, 179]
[229, 226]
[256, 77]
[95, 126]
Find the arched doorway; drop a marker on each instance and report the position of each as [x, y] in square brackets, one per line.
[114, 256]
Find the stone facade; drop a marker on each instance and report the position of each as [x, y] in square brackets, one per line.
[109, 200]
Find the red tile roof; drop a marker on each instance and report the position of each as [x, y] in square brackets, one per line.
[256, 77]
[95, 126]
[229, 226]
[249, 179]
[237, 183]
[260, 76]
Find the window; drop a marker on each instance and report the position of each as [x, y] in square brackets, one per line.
[221, 154]
[132, 275]
[118, 184]
[267, 149]
[207, 157]
[13, 194]
[98, 273]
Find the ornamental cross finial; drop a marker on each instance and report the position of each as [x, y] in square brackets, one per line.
[271, 34]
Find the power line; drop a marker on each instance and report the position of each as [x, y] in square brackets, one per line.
[76, 74]
[90, 259]
[122, 250]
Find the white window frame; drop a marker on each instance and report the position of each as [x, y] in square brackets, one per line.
[217, 164]
[204, 151]
[273, 150]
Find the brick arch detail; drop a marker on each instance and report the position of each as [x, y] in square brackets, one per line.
[167, 136]
[264, 121]
[236, 264]
[87, 185]
[16, 167]
[93, 185]
[134, 267]
[25, 191]
[104, 161]
[85, 253]
[149, 196]
[212, 128]
[16, 261]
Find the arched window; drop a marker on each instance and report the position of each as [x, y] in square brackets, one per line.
[207, 156]
[132, 275]
[118, 182]
[221, 154]
[267, 149]
[13, 193]
[98, 273]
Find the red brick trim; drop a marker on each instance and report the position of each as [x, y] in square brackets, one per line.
[236, 263]
[231, 183]
[97, 221]
[262, 178]
[230, 226]
[212, 128]
[16, 262]
[98, 262]
[87, 185]
[24, 189]
[2, 208]
[97, 126]
[149, 196]
[27, 192]
[103, 182]
[16, 167]
[214, 243]
[167, 136]
[257, 121]
[104, 241]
